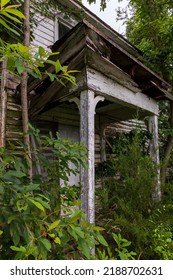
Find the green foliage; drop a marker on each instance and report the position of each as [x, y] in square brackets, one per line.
[9, 14]
[122, 249]
[118, 251]
[103, 3]
[125, 202]
[21, 57]
[41, 219]
[150, 29]
[125, 205]
[31, 59]
[163, 242]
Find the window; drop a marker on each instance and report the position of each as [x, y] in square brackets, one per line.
[63, 29]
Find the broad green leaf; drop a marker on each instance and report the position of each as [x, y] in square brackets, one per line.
[21, 205]
[2, 22]
[79, 232]
[12, 218]
[57, 240]
[53, 53]
[41, 51]
[75, 216]
[122, 255]
[31, 251]
[43, 202]
[57, 66]
[73, 233]
[101, 240]
[50, 62]
[36, 203]
[4, 2]
[54, 225]
[64, 69]
[33, 73]
[51, 76]
[19, 65]
[1, 232]
[11, 17]
[97, 228]
[30, 188]
[18, 249]
[15, 12]
[83, 246]
[52, 235]
[14, 173]
[46, 243]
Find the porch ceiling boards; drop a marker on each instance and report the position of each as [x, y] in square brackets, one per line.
[84, 47]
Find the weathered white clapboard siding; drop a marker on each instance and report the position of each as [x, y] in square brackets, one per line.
[14, 133]
[44, 33]
[124, 127]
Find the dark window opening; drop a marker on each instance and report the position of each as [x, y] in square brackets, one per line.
[63, 29]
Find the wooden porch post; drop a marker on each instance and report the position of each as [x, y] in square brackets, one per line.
[154, 152]
[87, 111]
[103, 143]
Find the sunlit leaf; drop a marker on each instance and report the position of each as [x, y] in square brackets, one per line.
[11, 17]
[57, 66]
[79, 232]
[41, 51]
[54, 225]
[46, 243]
[19, 65]
[15, 12]
[101, 240]
[18, 249]
[31, 251]
[52, 235]
[57, 240]
[8, 27]
[37, 204]
[4, 2]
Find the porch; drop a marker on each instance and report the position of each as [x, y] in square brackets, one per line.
[112, 86]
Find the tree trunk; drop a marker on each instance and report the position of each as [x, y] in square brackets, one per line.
[168, 148]
[24, 101]
[3, 105]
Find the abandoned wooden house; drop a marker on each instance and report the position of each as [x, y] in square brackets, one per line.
[112, 87]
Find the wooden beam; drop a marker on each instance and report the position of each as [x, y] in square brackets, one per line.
[117, 93]
[109, 69]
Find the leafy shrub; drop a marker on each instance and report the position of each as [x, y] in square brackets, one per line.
[41, 219]
[125, 202]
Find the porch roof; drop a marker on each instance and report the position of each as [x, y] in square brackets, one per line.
[85, 45]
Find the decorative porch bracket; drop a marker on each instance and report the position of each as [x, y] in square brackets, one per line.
[154, 152]
[87, 105]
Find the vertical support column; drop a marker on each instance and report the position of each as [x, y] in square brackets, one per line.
[87, 111]
[154, 152]
[103, 141]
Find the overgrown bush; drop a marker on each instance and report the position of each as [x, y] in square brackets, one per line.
[41, 219]
[125, 203]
